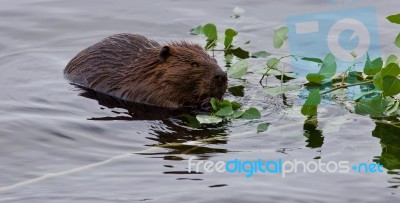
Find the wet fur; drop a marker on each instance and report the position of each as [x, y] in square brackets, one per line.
[134, 68]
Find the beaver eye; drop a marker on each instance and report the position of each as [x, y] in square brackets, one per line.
[194, 65]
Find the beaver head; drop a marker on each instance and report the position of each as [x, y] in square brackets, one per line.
[191, 74]
[176, 75]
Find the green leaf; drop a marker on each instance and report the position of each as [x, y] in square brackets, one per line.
[371, 68]
[272, 63]
[359, 96]
[225, 111]
[315, 78]
[208, 119]
[352, 77]
[210, 31]
[390, 85]
[328, 68]
[210, 44]
[378, 81]
[273, 91]
[214, 103]
[238, 69]
[393, 108]
[191, 121]
[378, 62]
[197, 31]
[394, 18]
[397, 41]
[235, 105]
[391, 69]
[237, 114]
[310, 106]
[314, 98]
[251, 113]
[373, 106]
[367, 87]
[391, 59]
[290, 75]
[228, 58]
[229, 35]
[260, 54]
[237, 91]
[316, 60]
[309, 110]
[280, 36]
[262, 127]
[225, 103]
[240, 53]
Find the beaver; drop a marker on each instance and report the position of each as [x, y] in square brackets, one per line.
[134, 68]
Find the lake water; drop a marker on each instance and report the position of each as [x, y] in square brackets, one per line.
[59, 144]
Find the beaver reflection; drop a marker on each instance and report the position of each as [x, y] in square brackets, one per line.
[136, 111]
[178, 130]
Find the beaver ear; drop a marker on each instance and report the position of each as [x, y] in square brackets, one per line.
[164, 53]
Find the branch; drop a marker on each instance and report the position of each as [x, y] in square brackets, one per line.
[346, 86]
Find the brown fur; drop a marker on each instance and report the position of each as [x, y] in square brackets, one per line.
[134, 68]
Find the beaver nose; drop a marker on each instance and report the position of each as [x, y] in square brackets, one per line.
[221, 77]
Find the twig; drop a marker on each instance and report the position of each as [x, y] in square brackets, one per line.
[272, 67]
[346, 86]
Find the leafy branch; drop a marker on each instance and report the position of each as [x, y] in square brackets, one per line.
[379, 83]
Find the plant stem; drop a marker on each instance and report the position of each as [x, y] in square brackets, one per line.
[219, 49]
[346, 86]
[272, 67]
[348, 70]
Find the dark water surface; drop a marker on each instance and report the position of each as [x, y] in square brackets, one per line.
[51, 132]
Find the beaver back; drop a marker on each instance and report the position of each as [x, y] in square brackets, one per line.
[134, 68]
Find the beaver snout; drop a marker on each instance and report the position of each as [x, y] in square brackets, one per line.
[220, 84]
[221, 78]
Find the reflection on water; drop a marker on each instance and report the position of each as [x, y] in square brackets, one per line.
[136, 111]
[315, 139]
[176, 129]
[388, 133]
[60, 143]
